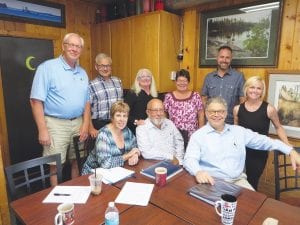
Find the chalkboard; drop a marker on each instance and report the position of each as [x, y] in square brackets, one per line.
[19, 58]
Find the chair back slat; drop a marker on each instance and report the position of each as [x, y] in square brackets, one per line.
[286, 179]
[26, 177]
[82, 150]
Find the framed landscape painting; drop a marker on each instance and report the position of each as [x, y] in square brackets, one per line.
[251, 30]
[284, 94]
[33, 11]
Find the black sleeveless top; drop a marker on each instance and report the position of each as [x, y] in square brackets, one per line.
[257, 121]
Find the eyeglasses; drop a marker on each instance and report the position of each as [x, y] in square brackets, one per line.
[101, 66]
[182, 81]
[144, 78]
[215, 112]
[156, 110]
[70, 45]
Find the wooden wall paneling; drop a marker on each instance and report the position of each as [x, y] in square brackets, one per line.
[249, 72]
[103, 41]
[121, 51]
[100, 43]
[296, 41]
[3, 129]
[201, 74]
[4, 160]
[146, 55]
[4, 208]
[169, 44]
[190, 45]
[287, 34]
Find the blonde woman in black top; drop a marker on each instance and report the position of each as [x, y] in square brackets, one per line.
[256, 115]
[142, 91]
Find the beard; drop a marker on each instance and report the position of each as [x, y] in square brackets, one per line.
[157, 122]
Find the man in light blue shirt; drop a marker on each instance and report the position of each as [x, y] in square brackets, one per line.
[59, 99]
[218, 149]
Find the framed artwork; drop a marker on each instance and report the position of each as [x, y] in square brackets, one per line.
[252, 31]
[33, 11]
[284, 94]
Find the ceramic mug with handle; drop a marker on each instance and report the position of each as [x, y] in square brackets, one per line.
[65, 215]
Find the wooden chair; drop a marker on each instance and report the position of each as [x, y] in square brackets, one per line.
[286, 179]
[32, 175]
[82, 150]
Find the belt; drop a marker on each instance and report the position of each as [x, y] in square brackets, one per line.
[102, 120]
[74, 118]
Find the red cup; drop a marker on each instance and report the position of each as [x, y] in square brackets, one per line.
[161, 176]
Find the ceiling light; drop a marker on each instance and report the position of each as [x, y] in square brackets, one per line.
[255, 8]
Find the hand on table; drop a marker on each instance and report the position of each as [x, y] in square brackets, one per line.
[133, 160]
[203, 177]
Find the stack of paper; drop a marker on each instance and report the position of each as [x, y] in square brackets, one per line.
[135, 194]
[114, 175]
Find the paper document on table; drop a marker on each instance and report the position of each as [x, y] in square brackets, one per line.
[113, 175]
[135, 194]
[68, 194]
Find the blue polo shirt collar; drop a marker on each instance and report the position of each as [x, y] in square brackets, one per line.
[66, 66]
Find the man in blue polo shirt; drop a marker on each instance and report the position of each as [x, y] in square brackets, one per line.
[59, 102]
[225, 82]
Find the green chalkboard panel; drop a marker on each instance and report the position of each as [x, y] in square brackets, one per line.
[19, 58]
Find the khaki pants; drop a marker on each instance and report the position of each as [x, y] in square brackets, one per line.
[61, 132]
[242, 181]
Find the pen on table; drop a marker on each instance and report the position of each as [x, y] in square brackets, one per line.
[61, 194]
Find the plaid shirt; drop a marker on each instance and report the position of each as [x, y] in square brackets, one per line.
[103, 93]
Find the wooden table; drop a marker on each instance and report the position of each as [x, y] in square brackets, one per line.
[284, 213]
[31, 210]
[175, 199]
[149, 215]
[168, 205]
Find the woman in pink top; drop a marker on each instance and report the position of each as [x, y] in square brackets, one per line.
[184, 107]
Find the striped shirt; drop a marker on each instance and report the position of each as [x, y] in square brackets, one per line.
[103, 93]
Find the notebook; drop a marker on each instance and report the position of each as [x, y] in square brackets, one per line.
[212, 193]
[172, 169]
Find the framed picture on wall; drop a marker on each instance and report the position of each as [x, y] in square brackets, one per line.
[33, 11]
[251, 30]
[284, 94]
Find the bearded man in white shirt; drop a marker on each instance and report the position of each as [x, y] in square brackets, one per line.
[158, 138]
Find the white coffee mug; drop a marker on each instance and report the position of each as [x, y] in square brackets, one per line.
[228, 207]
[65, 215]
